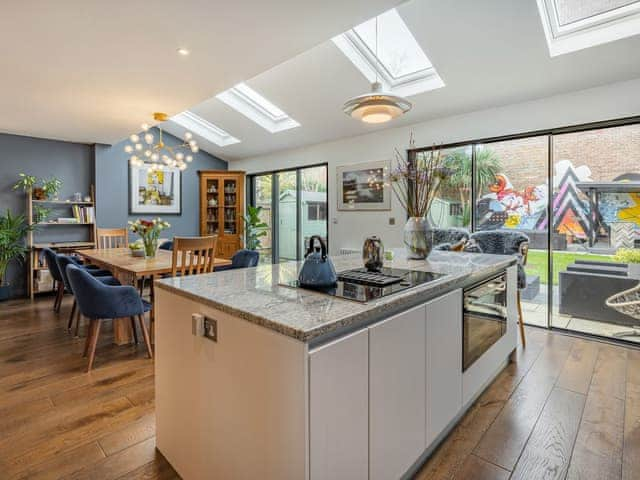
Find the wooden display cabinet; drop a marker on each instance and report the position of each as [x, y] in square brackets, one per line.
[222, 209]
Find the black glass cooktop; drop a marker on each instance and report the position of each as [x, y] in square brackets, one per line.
[362, 285]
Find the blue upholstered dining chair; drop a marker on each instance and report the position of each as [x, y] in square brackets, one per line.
[98, 302]
[52, 265]
[50, 259]
[168, 245]
[103, 275]
[504, 242]
[241, 259]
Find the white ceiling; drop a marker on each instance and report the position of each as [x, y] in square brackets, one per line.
[93, 71]
[489, 53]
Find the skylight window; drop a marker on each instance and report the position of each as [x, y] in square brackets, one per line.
[400, 64]
[257, 108]
[204, 129]
[571, 25]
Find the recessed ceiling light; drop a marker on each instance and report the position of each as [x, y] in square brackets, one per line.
[183, 51]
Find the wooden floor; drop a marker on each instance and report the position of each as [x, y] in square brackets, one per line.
[567, 408]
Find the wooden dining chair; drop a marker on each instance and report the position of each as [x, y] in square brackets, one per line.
[112, 238]
[193, 255]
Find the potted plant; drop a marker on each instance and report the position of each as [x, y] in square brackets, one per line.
[13, 229]
[630, 256]
[149, 231]
[40, 213]
[415, 182]
[51, 187]
[27, 183]
[253, 227]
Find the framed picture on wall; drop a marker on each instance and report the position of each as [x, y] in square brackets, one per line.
[155, 191]
[364, 186]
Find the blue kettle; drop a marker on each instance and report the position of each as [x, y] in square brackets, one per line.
[317, 270]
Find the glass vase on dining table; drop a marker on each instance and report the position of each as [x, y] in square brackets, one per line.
[150, 247]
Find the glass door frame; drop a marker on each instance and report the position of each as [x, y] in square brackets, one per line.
[549, 133]
[275, 188]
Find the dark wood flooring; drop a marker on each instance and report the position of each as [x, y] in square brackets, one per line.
[566, 408]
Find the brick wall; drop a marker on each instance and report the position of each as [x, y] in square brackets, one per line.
[608, 152]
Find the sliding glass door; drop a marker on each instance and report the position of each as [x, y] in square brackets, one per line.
[512, 194]
[596, 219]
[575, 193]
[262, 195]
[294, 205]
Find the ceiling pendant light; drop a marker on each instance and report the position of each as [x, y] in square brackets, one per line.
[144, 149]
[377, 106]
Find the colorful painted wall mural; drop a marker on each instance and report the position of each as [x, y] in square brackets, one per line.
[575, 214]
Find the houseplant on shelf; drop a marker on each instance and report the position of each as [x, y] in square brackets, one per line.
[51, 187]
[253, 227]
[27, 183]
[415, 182]
[13, 229]
[149, 231]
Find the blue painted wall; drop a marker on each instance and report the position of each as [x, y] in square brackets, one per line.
[79, 166]
[112, 194]
[71, 162]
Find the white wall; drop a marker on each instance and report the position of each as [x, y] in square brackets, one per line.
[348, 229]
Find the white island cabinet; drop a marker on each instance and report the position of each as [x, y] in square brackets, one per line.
[367, 400]
[338, 408]
[397, 386]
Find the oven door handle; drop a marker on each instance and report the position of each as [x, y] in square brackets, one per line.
[477, 307]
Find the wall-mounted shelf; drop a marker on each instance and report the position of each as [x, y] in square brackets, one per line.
[61, 202]
[46, 224]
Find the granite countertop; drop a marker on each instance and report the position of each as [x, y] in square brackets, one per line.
[255, 294]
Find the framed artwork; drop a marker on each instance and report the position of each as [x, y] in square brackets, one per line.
[364, 186]
[155, 191]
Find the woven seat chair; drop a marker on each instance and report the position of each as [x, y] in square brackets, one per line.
[627, 302]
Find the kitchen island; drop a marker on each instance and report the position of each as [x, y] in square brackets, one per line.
[259, 380]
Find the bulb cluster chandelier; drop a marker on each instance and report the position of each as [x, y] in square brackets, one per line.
[144, 149]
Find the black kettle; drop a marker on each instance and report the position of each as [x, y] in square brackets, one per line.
[317, 270]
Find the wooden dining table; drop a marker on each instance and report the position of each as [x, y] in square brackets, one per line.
[129, 270]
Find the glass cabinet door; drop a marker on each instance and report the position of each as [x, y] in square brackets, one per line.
[213, 220]
[230, 203]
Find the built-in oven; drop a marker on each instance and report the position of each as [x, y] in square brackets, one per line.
[484, 317]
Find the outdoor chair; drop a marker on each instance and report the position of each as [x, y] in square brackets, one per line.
[627, 302]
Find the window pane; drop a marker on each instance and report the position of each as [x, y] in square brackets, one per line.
[596, 214]
[314, 204]
[452, 206]
[397, 49]
[512, 194]
[570, 11]
[287, 216]
[262, 194]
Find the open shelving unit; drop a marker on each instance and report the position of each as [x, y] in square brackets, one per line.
[35, 245]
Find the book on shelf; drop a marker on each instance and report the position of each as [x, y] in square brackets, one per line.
[84, 214]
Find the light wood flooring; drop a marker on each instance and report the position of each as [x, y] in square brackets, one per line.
[566, 408]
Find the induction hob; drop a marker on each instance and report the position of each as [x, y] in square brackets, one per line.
[361, 285]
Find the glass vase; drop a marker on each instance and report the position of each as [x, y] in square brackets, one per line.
[415, 238]
[150, 247]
